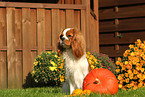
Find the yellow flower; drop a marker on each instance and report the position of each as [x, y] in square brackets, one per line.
[132, 54]
[61, 78]
[55, 56]
[35, 63]
[33, 72]
[39, 56]
[138, 41]
[87, 92]
[138, 68]
[126, 62]
[142, 69]
[53, 68]
[54, 64]
[120, 85]
[77, 92]
[92, 67]
[49, 52]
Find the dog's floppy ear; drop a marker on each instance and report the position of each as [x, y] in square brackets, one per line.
[78, 44]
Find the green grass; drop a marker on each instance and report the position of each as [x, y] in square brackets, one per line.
[57, 92]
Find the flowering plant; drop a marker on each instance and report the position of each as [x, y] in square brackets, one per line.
[94, 62]
[48, 69]
[130, 69]
[106, 62]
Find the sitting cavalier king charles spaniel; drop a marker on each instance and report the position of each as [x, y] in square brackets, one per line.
[73, 49]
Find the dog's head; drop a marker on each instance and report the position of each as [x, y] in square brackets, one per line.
[70, 38]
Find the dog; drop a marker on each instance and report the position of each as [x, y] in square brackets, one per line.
[72, 47]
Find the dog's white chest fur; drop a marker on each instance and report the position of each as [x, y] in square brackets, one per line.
[76, 69]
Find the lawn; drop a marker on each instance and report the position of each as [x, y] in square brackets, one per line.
[57, 92]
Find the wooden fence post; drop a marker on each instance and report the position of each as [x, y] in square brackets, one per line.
[3, 43]
[11, 48]
[87, 3]
[96, 11]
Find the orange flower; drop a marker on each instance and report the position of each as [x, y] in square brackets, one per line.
[135, 71]
[135, 48]
[135, 87]
[117, 62]
[132, 83]
[139, 75]
[125, 54]
[131, 76]
[120, 77]
[117, 70]
[119, 59]
[131, 46]
[127, 80]
[126, 74]
[129, 71]
[129, 66]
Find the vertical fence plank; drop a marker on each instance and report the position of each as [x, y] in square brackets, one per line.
[41, 30]
[70, 18]
[96, 11]
[62, 19]
[33, 15]
[77, 19]
[26, 26]
[55, 28]
[83, 23]
[18, 36]
[3, 65]
[69, 1]
[48, 30]
[87, 3]
[78, 2]
[11, 49]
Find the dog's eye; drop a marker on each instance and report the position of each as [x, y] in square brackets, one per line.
[69, 36]
[61, 36]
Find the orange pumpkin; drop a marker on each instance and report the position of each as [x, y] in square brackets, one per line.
[101, 80]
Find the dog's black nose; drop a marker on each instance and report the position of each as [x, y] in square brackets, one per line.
[61, 37]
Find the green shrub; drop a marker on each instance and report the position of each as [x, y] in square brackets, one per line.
[106, 62]
[48, 69]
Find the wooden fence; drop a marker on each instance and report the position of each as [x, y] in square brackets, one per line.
[122, 22]
[27, 29]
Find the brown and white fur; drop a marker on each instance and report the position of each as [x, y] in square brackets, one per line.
[73, 49]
